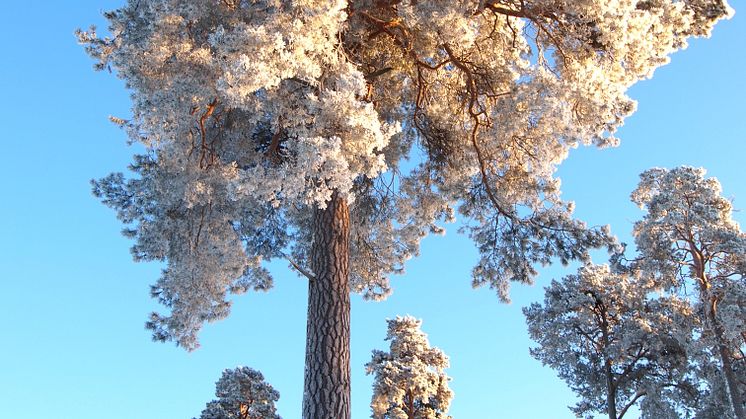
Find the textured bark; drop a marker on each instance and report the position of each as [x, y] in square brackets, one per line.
[326, 391]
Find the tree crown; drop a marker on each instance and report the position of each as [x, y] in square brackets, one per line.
[409, 380]
[612, 341]
[242, 393]
[254, 112]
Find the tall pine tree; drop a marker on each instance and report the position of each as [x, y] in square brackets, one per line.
[278, 129]
[689, 244]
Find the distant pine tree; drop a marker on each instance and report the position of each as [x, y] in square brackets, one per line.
[689, 245]
[410, 380]
[242, 393]
[615, 345]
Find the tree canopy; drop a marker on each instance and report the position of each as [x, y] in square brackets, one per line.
[253, 112]
[336, 134]
[665, 329]
[615, 345]
[689, 244]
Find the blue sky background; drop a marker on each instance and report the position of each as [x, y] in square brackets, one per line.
[74, 304]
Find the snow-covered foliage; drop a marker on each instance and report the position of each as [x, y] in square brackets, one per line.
[253, 112]
[615, 344]
[689, 224]
[242, 393]
[689, 245]
[409, 380]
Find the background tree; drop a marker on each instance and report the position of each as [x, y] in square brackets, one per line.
[614, 345]
[409, 380]
[688, 239]
[278, 128]
[242, 394]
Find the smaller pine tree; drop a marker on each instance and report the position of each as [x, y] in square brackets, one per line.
[242, 393]
[616, 343]
[409, 380]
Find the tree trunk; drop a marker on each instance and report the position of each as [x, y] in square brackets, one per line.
[730, 379]
[409, 404]
[610, 390]
[721, 346]
[725, 358]
[326, 390]
[610, 384]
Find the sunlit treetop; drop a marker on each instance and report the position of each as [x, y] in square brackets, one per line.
[688, 226]
[688, 234]
[254, 112]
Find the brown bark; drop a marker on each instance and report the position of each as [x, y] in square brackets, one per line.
[409, 401]
[326, 390]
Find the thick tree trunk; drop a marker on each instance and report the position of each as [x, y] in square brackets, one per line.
[326, 391]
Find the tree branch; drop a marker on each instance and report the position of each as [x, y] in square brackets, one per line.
[300, 269]
[631, 402]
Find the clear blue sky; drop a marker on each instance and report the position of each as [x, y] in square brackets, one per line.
[74, 304]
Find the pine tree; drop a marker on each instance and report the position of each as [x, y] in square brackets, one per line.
[409, 380]
[688, 240]
[278, 129]
[242, 393]
[615, 345]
